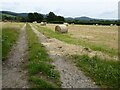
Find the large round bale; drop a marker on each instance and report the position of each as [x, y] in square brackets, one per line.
[61, 29]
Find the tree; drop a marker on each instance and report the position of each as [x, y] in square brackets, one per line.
[34, 17]
[51, 17]
[30, 17]
[38, 17]
[60, 18]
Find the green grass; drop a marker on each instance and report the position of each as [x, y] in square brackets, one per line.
[68, 39]
[39, 64]
[40, 83]
[105, 73]
[9, 37]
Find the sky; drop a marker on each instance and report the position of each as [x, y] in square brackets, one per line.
[102, 9]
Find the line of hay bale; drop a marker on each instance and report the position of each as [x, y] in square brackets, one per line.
[61, 28]
[43, 23]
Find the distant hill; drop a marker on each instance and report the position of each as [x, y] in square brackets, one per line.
[13, 14]
[80, 18]
[69, 18]
[83, 18]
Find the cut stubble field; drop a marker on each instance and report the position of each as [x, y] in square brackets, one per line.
[105, 72]
[103, 35]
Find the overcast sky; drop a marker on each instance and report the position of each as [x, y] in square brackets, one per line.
[104, 9]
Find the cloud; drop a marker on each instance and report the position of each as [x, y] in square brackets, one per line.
[67, 8]
[9, 5]
[109, 14]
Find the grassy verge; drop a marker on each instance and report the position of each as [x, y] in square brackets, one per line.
[41, 72]
[9, 37]
[105, 73]
[66, 38]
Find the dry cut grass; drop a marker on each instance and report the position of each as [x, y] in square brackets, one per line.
[104, 35]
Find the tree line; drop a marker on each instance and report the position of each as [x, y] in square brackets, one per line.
[31, 17]
[94, 22]
[52, 18]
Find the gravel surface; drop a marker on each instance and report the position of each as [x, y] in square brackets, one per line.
[71, 77]
[14, 74]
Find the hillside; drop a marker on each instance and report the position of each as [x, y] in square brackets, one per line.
[80, 18]
[9, 13]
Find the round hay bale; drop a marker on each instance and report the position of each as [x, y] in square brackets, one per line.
[111, 24]
[61, 29]
[43, 23]
[66, 24]
[35, 22]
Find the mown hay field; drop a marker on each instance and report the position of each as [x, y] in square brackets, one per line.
[103, 71]
[103, 35]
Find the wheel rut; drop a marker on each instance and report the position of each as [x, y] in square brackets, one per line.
[13, 73]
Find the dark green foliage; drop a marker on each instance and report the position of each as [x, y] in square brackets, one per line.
[91, 22]
[54, 18]
[38, 17]
[34, 17]
[30, 17]
[60, 18]
[51, 17]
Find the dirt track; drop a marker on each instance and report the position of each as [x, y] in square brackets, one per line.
[71, 77]
[14, 74]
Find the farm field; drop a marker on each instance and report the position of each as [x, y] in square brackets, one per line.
[95, 46]
[103, 35]
[47, 59]
[97, 61]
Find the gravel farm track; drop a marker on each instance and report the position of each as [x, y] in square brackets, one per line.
[14, 75]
